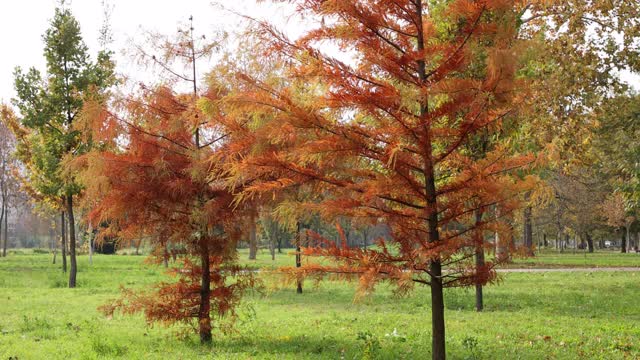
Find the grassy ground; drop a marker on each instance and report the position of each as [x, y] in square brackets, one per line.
[543, 259]
[528, 316]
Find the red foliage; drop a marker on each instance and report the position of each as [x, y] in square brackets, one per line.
[384, 134]
[156, 181]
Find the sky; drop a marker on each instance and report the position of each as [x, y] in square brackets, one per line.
[22, 23]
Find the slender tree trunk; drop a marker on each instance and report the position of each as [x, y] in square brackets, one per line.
[2, 211]
[502, 249]
[628, 236]
[480, 263]
[63, 238]
[544, 240]
[527, 235]
[165, 257]
[6, 231]
[623, 244]
[253, 240]
[298, 257]
[204, 312]
[73, 270]
[54, 243]
[91, 236]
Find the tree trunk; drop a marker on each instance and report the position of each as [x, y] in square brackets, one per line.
[6, 231]
[204, 312]
[4, 252]
[165, 257]
[54, 244]
[479, 240]
[298, 257]
[628, 235]
[502, 249]
[90, 246]
[528, 228]
[72, 243]
[63, 236]
[544, 240]
[253, 239]
[590, 242]
[623, 244]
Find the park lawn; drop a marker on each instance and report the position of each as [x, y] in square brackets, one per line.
[528, 316]
[579, 258]
[543, 259]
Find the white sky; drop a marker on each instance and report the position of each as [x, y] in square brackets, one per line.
[22, 23]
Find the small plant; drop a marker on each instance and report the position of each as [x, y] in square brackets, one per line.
[106, 348]
[470, 343]
[370, 346]
[30, 324]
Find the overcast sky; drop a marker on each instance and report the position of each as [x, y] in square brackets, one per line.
[22, 23]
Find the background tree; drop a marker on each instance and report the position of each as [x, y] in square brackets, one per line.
[50, 107]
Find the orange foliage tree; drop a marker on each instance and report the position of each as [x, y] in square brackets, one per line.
[157, 179]
[382, 133]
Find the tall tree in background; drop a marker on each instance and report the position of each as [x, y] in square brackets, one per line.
[384, 133]
[8, 182]
[50, 107]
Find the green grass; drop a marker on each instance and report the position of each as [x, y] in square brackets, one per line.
[579, 258]
[543, 259]
[528, 316]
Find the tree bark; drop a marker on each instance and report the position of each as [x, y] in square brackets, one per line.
[6, 231]
[590, 243]
[63, 236]
[4, 252]
[298, 257]
[204, 312]
[480, 263]
[73, 270]
[623, 244]
[253, 240]
[528, 228]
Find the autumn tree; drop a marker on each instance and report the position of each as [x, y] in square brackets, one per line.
[49, 107]
[382, 132]
[158, 176]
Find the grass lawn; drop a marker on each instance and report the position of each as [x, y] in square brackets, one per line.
[528, 316]
[543, 259]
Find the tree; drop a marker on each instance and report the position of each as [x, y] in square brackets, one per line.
[50, 107]
[383, 134]
[159, 176]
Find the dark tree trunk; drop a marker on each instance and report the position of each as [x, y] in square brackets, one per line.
[623, 244]
[590, 242]
[544, 240]
[165, 255]
[528, 228]
[298, 257]
[253, 240]
[480, 263]
[73, 270]
[63, 236]
[438, 344]
[204, 312]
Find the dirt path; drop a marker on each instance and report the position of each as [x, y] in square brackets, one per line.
[574, 269]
